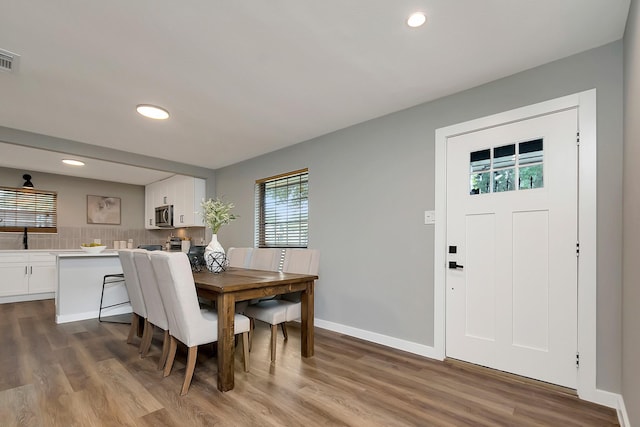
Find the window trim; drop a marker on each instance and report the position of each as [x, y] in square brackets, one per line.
[260, 221]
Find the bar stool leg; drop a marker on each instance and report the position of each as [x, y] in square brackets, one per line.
[110, 279]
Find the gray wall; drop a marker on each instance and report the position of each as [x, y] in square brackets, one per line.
[631, 276]
[371, 183]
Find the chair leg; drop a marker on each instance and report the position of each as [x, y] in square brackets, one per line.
[173, 346]
[147, 336]
[252, 325]
[140, 328]
[191, 364]
[284, 330]
[165, 350]
[245, 350]
[274, 336]
[134, 327]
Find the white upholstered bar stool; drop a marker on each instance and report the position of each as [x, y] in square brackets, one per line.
[135, 296]
[156, 315]
[187, 322]
[288, 308]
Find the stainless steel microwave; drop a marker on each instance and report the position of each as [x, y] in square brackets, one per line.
[164, 216]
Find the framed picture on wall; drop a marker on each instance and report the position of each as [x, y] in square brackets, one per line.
[103, 210]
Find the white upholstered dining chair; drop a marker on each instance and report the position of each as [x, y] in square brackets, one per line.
[187, 322]
[135, 296]
[288, 308]
[239, 257]
[265, 259]
[156, 315]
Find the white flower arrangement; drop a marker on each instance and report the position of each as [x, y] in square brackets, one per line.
[216, 213]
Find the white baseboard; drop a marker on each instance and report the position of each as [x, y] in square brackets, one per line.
[408, 346]
[66, 318]
[611, 400]
[623, 417]
[31, 297]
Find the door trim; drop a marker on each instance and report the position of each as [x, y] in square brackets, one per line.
[585, 102]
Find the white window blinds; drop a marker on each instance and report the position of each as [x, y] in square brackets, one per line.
[282, 211]
[34, 209]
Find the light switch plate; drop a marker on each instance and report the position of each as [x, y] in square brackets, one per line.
[429, 217]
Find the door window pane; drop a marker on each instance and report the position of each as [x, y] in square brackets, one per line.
[503, 180]
[530, 152]
[504, 156]
[480, 160]
[479, 183]
[531, 177]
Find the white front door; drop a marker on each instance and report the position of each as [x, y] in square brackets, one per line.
[511, 285]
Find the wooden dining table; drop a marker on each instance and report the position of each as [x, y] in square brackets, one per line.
[239, 284]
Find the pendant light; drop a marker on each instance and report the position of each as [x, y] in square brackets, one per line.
[27, 181]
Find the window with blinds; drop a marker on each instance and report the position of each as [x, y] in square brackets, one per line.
[34, 209]
[282, 211]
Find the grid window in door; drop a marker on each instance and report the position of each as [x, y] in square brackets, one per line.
[507, 168]
[282, 211]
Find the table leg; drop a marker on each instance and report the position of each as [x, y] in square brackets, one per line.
[226, 314]
[306, 332]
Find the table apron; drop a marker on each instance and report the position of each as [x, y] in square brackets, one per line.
[249, 294]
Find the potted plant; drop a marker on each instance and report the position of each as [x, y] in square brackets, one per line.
[215, 214]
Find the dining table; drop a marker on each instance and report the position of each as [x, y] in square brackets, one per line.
[240, 284]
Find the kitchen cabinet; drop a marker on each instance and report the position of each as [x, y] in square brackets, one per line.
[26, 273]
[186, 208]
[150, 207]
[79, 292]
[185, 193]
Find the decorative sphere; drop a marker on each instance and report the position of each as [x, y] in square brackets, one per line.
[216, 261]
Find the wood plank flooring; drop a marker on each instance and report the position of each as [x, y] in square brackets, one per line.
[84, 374]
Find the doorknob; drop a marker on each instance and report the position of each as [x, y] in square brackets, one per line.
[454, 265]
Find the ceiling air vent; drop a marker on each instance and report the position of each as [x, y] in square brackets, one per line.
[8, 61]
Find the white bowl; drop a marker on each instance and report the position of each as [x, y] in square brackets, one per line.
[93, 249]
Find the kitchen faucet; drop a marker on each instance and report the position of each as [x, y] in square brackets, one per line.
[25, 239]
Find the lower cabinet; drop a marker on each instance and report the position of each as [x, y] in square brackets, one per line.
[27, 273]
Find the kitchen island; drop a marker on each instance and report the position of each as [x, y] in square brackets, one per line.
[79, 286]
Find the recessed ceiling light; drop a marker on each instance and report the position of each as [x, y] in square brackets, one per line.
[416, 19]
[152, 111]
[73, 162]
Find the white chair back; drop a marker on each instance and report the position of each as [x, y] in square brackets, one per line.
[265, 259]
[132, 282]
[301, 261]
[155, 308]
[239, 257]
[178, 292]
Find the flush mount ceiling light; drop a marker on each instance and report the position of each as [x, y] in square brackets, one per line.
[73, 162]
[416, 19]
[152, 112]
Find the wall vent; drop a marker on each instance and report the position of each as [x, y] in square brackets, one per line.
[8, 61]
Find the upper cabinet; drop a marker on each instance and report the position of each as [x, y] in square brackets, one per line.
[189, 194]
[185, 193]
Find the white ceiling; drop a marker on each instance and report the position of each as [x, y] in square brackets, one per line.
[243, 78]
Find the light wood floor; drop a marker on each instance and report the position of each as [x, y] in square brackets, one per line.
[84, 374]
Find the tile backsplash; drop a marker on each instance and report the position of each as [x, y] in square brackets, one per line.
[73, 237]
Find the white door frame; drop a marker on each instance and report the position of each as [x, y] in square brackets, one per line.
[585, 102]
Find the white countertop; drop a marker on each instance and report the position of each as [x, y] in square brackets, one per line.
[81, 254]
[37, 250]
[64, 253]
